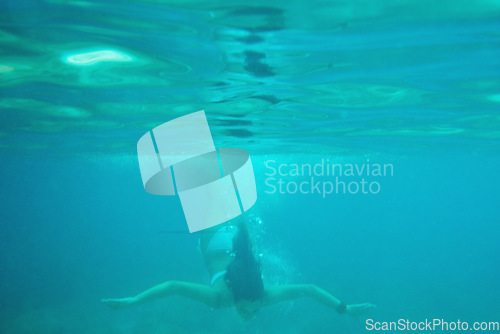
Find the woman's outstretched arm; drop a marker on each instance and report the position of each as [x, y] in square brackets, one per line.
[202, 293]
[278, 294]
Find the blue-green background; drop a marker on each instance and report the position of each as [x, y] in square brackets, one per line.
[411, 83]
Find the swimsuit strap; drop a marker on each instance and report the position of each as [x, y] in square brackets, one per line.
[217, 276]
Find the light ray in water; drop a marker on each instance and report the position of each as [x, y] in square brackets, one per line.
[95, 57]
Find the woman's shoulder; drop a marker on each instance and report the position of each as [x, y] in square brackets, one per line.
[224, 295]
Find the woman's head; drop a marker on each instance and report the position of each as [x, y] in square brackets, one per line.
[247, 310]
[244, 276]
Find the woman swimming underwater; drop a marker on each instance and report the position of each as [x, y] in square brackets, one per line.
[236, 280]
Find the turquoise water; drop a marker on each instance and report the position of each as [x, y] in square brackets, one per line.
[414, 85]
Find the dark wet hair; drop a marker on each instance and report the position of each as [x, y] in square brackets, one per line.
[243, 275]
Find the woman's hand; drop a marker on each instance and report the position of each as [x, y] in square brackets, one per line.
[119, 303]
[359, 309]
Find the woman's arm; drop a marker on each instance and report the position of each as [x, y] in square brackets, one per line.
[202, 293]
[278, 294]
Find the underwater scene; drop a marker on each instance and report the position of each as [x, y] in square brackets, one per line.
[355, 147]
